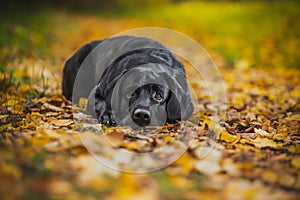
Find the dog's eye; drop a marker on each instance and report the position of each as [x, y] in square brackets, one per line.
[130, 94]
[157, 96]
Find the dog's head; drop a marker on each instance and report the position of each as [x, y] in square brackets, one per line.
[151, 94]
[147, 103]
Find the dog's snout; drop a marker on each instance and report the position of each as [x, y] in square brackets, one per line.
[141, 117]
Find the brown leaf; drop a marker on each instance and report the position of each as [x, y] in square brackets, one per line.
[116, 137]
[52, 107]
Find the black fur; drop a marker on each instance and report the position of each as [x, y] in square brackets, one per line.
[142, 105]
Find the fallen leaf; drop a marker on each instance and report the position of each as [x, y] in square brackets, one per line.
[227, 137]
[186, 163]
[295, 117]
[58, 98]
[116, 137]
[62, 122]
[263, 133]
[51, 114]
[52, 107]
[296, 162]
[11, 103]
[270, 176]
[17, 109]
[3, 118]
[30, 125]
[265, 142]
[5, 127]
[287, 180]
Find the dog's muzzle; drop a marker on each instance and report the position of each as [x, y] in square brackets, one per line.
[141, 117]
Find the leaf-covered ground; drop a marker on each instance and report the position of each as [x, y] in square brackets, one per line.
[255, 45]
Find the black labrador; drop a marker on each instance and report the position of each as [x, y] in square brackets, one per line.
[128, 81]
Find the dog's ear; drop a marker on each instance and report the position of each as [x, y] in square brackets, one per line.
[173, 109]
[179, 104]
[179, 107]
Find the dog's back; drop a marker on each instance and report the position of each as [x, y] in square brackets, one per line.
[72, 66]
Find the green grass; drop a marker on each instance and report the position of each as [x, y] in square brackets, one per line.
[24, 33]
[248, 30]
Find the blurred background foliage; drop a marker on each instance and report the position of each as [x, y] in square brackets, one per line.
[255, 33]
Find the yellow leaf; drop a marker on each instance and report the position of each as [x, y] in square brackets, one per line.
[292, 149]
[270, 177]
[29, 125]
[131, 145]
[36, 114]
[51, 114]
[58, 98]
[5, 127]
[62, 122]
[227, 137]
[186, 162]
[266, 125]
[265, 142]
[11, 169]
[238, 100]
[293, 117]
[295, 148]
[24, 89]
[39, 140]
[164, 130]
[52, 134]
[180, 181]
[127, 185]
[17, 109]
[287, 180]
[10, 103]
[295, 93]
[168, 139]
[206, 123]
[296, 162]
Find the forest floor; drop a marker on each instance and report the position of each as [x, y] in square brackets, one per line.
[254, 156]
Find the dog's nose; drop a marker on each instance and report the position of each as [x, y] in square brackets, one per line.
[141, 117]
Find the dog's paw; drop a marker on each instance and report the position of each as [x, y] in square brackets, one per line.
[107, 119]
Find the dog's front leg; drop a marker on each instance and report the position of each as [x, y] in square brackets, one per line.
[98, 107]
